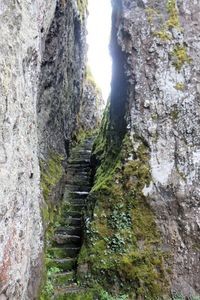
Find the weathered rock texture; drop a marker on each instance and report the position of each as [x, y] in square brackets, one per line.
[61, 79]
[158, 46]
[92, 106]
[42, 53]
[21, 225]
[149, 154]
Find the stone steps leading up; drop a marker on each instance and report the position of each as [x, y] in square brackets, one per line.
[62, 293]
[64, 278]
[73, 230]
[67, 239]
[65, 264]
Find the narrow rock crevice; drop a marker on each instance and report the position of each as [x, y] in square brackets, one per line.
[68, 235]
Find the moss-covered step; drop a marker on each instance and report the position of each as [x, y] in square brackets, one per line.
[79, 161]
[67, 293]
[66, 239]
[65, 264]
[66, 236]
[57, 252]
[75, 194]
[76, 201]
[75, 221]
[78, 168]
[72, 230]
[62, 279]
[71, 221]
[81, 155]
[79, 180]
[76, 187]
[72, 214]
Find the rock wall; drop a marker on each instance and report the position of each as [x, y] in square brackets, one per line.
[143, 215]
[61, 78]
[159, 46]
[92, 106]
[42, 52]
[20, 58]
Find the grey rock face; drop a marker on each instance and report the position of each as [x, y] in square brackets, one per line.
[61, 79]
[41, 62]
[20, 198]
[159, 47]
[92, 106]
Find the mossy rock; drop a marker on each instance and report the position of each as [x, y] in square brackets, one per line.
[123, 246]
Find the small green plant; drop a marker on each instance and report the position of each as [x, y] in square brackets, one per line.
[151, 14]
[180, 57]
[173, 21]
[174, 114]
[48, 290]
[53, 270]
[82, 6]
[179, 86]
[116, 243]
[120, 220]
[163, 35]
[105, 296]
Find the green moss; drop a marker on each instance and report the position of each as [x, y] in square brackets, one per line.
[180, 86]
[93, 293]
[180, 57]
[173, 21]
[90, 78]
[122, 248]
[174, 114]
[151, 14]
[82, 7]
[51, 173]
[163, 35]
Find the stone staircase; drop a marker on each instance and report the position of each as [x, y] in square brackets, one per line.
[67, 238]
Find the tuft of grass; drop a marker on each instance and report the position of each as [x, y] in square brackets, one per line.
[180, 57]
[180, 86]
[82, 7]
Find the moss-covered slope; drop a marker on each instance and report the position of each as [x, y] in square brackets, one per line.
[122, 253]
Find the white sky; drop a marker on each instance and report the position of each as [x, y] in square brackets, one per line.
[99, 27]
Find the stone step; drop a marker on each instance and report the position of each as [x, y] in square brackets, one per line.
[73, 230]
[69, 195]
[62, 279]
[80, 156]
[81, 175]
[79, 161]
[75, 194]
[72, 214]
[61, 293]
[75, 221]
[77, 201]
[67, 221]
[75, 187]
[78, 181]
[64, 239]
[65, 264]
[78, 169]
[78, 207]
[81, 151]
[70, 208]
[84, 147]
[67, 252]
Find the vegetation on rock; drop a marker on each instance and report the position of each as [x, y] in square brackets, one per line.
[51, 174]
[82, 7]
[122, 247]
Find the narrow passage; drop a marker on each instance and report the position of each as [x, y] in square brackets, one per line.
[68, 236]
